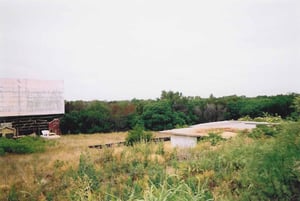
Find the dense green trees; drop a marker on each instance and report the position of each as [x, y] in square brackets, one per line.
[171, 110]
[97, 116]
[296, 104]
[254, 107]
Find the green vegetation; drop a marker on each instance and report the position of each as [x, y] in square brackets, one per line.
[213, 138]
[22, 145]
[172, 110]
[260, 165]
[296, 107]
[263, 164]
[138, 134]
[265, 118]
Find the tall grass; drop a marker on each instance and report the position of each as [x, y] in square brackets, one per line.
[245, 167]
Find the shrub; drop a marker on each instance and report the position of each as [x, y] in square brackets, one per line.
[256, 133]
[269, 130]
[138, 134]
[264, 118]
[214, 138]
[273, 172]
[22, 145]
[265, 130]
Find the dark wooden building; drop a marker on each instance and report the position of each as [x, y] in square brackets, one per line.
[30, 105]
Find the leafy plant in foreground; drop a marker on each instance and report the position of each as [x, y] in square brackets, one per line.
[273, 171]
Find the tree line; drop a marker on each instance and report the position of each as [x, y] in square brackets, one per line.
[171, 110]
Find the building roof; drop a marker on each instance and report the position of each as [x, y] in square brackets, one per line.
[200, 130]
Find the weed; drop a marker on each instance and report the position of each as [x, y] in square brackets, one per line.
[87, 172]
[160, 149]
[13, 194]
[179, 190]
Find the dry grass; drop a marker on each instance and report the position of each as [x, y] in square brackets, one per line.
[219, 169]
[18, 169]
[216, 130]
[35, 171]
[25, 169]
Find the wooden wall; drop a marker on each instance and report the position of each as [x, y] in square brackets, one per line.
[25, 125]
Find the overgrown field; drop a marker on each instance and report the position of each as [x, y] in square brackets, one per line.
[261, 165]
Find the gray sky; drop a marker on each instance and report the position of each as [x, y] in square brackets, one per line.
[116, 49]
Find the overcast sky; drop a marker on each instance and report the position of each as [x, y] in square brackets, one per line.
[124, 49]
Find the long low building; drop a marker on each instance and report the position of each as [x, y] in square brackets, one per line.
[187, 137]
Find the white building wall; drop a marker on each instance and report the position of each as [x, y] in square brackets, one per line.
[30, 97]
[183, 141]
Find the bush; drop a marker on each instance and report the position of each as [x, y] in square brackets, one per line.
[138, 134]
[273, 173]
[264, 118]
[213, 138]
[256, 133]
[22, 145]
[265, 130]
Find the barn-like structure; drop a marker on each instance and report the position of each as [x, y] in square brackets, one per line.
[30, 106]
